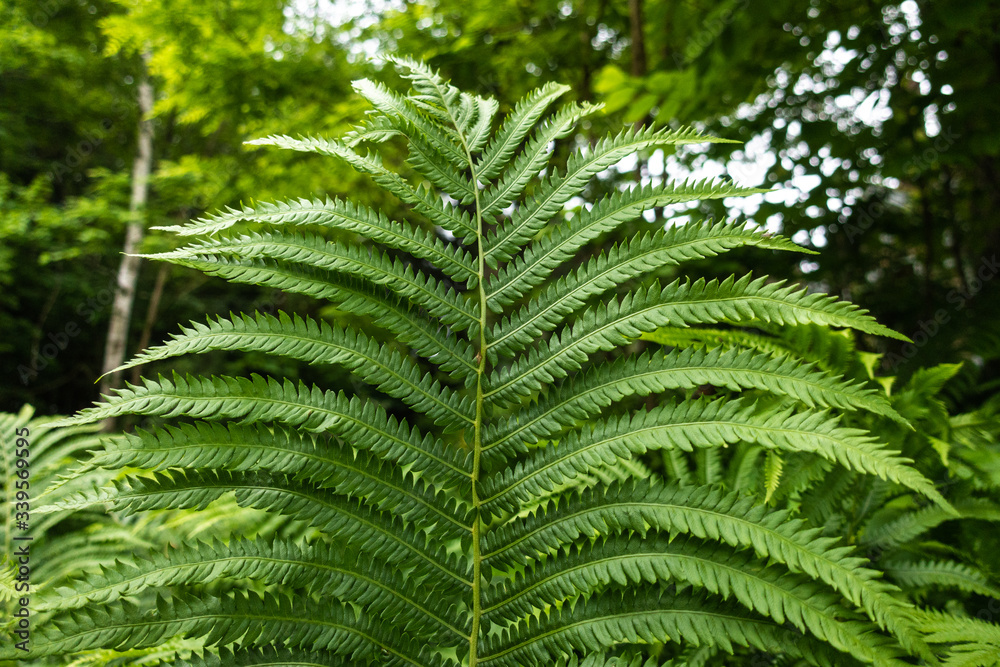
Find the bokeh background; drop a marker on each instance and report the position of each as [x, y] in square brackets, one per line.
[875, 123]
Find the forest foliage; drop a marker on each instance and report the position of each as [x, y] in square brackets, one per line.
[501, 513]
[871, 121]
[863, 132]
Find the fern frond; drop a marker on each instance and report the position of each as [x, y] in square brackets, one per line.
[643, 253]
[829, 350]
[343, 215]
[694, 424]
[258, 620]
[423, 201]
[634, 562]
[363, 424]
[596, 660]
[326, 465]
[677, 304]
[374, 129]
[318, 253]
[403, 110]
[173, 650]
[85, 551]
[264, 656]
[451, 353]
[513, 523]
[707, 514]
[940, 573]
[542, 257]
[532, 159]
[430, 90]
[972, 642]
[558, 189]
[910, 525]
[515, 128]
[710, 337]
[648, 617]
[316, 569]
[319, 343]
[586, 395]
[350, 520]
[440, 174]
[773, 467]
[677, 468]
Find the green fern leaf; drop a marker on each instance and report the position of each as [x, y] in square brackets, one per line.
[706, 514]
[531, 160]
[395, 107]
[318, 569]
[910, 525]
[324, 464]
[558, 189]
[677, 304]
[647, 617]
[258, 620]
[692, 424]
[629, 562]
[378, 533]
[542, 257]
[510, 518]
[584, 396]
[319, 343]
[622, 263]
[941, 573]
[422, 200]
[972, 642]
[515, 128]
[337, 214]
[773, 467]
[409, 325]
[258, 399]
[315, 252]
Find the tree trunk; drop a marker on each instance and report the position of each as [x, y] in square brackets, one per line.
[638, 63]
[128, 272]
[638, 39]
[151, 313]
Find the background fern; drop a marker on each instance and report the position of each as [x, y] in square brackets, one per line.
[51, 454]
[478, 496]
[71, 543]
[939, 559]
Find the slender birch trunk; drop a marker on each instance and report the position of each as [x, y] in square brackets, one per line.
[128, 272]
[638, 38]
[151, 313]
[639, 67]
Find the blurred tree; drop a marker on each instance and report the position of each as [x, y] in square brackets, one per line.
[877, 117]
[224, 73]
[128, 271]
[65, 115]
[871, 118]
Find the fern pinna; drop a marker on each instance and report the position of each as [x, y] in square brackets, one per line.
[504, 519]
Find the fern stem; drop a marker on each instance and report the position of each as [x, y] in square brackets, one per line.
[478, 443]
[477, 559]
